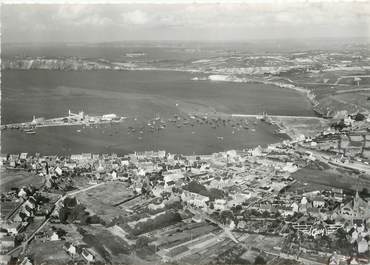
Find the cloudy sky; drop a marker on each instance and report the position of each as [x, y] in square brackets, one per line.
[202, 22]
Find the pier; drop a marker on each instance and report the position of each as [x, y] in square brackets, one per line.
[70, 120]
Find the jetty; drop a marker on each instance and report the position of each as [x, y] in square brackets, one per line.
[72, 119]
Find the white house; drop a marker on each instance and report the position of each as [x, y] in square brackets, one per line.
[87, 255]
[318, 202]
[22, 193]
[295, 207]
[194, 199]
[70, 248]
[58, 171]
[54, 237]
[114, 175]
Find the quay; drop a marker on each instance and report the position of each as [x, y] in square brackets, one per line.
[70, 120]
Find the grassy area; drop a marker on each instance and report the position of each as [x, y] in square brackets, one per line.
[106, 244]
[49, 252]
[319, 179]
[17, 179]
[100, 200]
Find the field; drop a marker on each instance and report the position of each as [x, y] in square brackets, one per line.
[17, 179]
[321, 179]
[100, 200]
[49, 252]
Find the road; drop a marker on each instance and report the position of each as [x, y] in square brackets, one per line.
[277, 116]
[31, 236]
[352, 90]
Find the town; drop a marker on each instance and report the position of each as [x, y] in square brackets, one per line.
[304, 200]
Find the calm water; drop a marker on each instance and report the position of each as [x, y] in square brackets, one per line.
[141, 95]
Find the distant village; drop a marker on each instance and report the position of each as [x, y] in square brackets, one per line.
[305, 200]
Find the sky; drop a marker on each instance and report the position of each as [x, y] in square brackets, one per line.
[184, 21]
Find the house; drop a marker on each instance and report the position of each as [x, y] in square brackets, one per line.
[114, 174]
[22, 193]
[70, 248]
[220, 204]
[158, 190]
[242, 224]
[87, 255]
[11, 228]
[58, 171]
[295, 207]
[26, 261]
[194, 199]
[29, 204]
[318, 202]
[54, 237]
[169, 184]
[286, 211]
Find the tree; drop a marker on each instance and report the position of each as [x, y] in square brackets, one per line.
[142, 242]
[226, 215]
[63, 215]
[216, 194]
[259, 261]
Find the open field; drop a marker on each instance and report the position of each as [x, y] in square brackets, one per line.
[100, 200]
[10, 179]
[49, 252]
[318, 179]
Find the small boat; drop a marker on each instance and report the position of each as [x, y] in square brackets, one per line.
[29, 131]
[220, 138]
[78, 131]
[14, 168]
